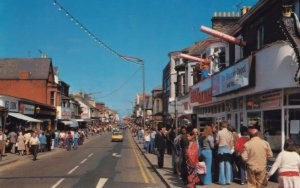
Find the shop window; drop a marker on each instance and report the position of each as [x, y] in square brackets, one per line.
[272, 129]
[252, 102]
[223, 107]
[294, 99]
[240, 103]
[241, 119]
[234, 104]
[254, 118]
[294, 125]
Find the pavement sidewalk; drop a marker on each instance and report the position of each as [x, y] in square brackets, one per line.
[9, 158]
[172, 180]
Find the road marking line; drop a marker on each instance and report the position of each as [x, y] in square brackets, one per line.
[101, 182]
[146, 169]
[90, 155]
[59, 182]
[144, 165]
[139, 163]
[71, 171]
[83, 161]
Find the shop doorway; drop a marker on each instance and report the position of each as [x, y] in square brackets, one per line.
[293, 124]
[272, 129]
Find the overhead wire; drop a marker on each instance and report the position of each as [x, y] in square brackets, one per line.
[94, 37]
[121, 86]
[128, 59]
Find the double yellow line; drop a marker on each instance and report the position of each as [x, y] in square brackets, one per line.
[143, 168]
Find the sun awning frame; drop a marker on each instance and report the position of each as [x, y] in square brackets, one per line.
[24, 117]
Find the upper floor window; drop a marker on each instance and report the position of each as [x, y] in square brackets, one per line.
[260, 37]
[52, 98]
[157, 106]
[177, 61]
[183, 81]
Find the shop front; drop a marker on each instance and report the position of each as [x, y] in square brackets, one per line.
[46, 114]
[3, 117]
[257, 90]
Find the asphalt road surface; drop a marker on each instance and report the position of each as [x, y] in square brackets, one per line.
[96, 164]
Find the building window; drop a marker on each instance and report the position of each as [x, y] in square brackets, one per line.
[260, 37]
[157, 106]
[52, 98]
[183, 85]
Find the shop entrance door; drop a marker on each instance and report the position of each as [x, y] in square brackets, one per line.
[292, 127]
[272, 129]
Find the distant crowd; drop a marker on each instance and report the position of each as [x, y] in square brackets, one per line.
[32, 142]
[219, 154]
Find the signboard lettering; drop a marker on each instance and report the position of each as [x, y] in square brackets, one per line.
[232, 78]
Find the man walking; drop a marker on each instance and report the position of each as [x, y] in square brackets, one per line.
[160, 146]
[256, 153]
[34, 143]
[12, 141]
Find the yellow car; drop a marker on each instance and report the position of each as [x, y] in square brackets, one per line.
[117, 136]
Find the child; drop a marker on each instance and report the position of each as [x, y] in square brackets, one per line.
[201, 168]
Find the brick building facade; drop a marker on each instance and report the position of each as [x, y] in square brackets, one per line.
[29, 78]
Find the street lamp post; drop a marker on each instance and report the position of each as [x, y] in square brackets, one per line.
[144, 94]
[140, 62]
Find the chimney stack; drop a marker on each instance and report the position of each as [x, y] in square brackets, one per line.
[224, 21]
[244, 10]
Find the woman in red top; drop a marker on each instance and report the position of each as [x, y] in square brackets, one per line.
[239, 148]
[192, 160]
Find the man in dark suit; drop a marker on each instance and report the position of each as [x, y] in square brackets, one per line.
[160, 145]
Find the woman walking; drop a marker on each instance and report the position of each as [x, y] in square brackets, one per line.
[288, 163]
[21, 144]
[207, 146]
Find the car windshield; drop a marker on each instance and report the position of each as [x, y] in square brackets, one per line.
[117, 133]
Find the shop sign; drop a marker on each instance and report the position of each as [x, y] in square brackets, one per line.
[26, 109]
[201, 93]
[270, 100]
[232, 78]
[12, 106]
[66, 114]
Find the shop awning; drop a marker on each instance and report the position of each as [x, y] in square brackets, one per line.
[80, 120]
[74, 123]
[83, 120]
[23, 117]
[67, 122]
[71, 123]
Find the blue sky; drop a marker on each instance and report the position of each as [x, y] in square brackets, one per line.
[141, 28]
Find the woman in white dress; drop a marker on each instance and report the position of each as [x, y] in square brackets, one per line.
[21, 143]
[288, 165]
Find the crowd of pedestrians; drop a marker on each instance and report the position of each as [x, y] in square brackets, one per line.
[219, 154]
[32, 142]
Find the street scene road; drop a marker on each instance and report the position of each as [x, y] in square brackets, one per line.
[98, 163]
[149, 94]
